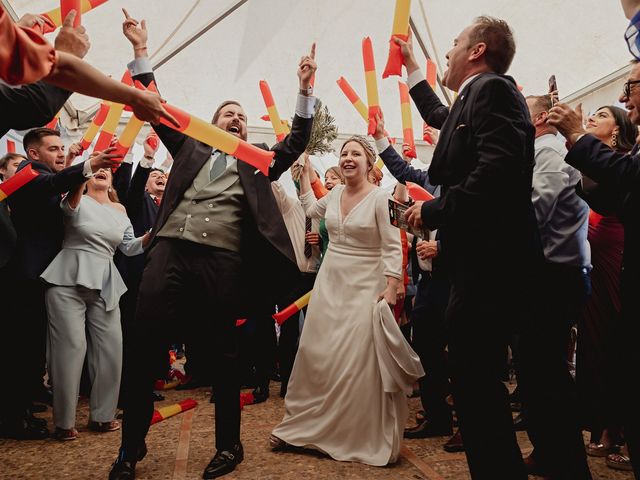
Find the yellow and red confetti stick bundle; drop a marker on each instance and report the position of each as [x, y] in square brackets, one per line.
[94, 127]
[373, 100]
[55, 17]
[19, 180]
[407, 124]
[400, 30]
[112, 120]
[292, 309]
[163, 413]
[274, 116]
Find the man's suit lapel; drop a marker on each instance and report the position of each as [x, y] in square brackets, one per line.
[440, 157]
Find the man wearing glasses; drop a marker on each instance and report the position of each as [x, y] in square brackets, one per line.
[620, 174]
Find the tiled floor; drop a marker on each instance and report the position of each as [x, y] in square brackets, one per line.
[180, 447]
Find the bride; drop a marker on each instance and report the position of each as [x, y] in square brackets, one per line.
[347, 392]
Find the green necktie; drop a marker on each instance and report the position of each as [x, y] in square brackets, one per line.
[218, 167]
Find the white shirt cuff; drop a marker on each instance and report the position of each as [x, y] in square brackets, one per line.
[139, 66]
[86, 169]
[382, 144]
[146, 163]
[414, 78]
[305, 106]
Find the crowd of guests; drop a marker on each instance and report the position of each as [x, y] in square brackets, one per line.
[532, 231]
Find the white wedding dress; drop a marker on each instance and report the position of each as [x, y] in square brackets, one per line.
[347, 391]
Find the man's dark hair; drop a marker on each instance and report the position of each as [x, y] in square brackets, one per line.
[34, 137]
[216, 115]
[8, 157]
[497, 36]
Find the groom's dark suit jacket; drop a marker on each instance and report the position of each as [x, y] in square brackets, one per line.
[267, 252]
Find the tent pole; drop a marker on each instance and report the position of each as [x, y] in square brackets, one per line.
[12, 13]
[426, 54]
[196, 35]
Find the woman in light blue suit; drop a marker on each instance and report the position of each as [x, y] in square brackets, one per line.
[82, 304]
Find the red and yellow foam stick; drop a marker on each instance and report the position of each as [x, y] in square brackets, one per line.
[96, 123]
[19, 180]
[163, 413]
[292, 309]
[205, 132]
[131, 130]
[407, 124]
[11, 146]
[353, 97]
[432, 76]
[112, 120]
[54, 122]
[400, 30]
[373, 99]
[57, 15]
[285, 123]
[417, 193]
[274, 116]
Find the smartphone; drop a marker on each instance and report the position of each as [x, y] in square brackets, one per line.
[553, 87]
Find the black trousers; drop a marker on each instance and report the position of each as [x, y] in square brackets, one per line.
[200, 287]
[481, 315]
[25, 331]
[429, 341]
[547, 390]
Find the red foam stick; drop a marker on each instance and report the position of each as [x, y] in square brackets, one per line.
[11, 146]
[153, 141]
[19, 180]
[169, 411]
[432, 78]
[400, 30]
[417, 193]
[66, 6]
[371, 84]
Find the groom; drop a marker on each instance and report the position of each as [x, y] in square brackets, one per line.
[218, 243]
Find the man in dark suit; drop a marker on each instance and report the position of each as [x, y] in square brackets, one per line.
[484, 163]
[218, 245]
[618, 178]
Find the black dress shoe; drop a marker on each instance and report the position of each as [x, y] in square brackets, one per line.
[260, 395]
[519, 423]
[428, 429]
[123, 469]
[454, 444]
[24, 429]
[224, 462]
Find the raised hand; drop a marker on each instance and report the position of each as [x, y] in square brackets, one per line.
[307, 67]
[148, 106]
[29, 20]
[73, 40]
[74, 150]
[407, 53]
[136, 32]
[380, 132]
[105, 159]
[568, 121]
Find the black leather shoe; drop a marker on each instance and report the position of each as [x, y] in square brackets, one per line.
[123, 469]
[224, 462]
[454, 444]
[24, 430]
[519, 423]
[428, 429]
[260, 395]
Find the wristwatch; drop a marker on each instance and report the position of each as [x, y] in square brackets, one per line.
[307, 92]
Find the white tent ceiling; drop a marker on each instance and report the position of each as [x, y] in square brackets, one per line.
[580, 41]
